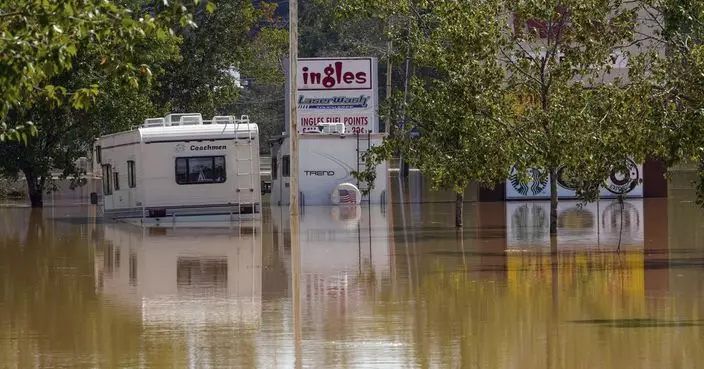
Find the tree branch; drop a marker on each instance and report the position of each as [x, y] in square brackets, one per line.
[511, 130]
[10, 14]
[510, 62]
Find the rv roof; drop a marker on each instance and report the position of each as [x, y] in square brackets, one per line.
[190, 119]
[199, 132]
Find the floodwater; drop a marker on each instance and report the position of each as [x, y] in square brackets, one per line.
[380, 287]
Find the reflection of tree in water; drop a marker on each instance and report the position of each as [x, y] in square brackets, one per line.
[459, 319]
[529, 222]
[50, 293]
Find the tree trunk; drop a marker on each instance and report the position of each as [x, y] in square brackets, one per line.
[459, 202]
[553, 202]
[35, 189]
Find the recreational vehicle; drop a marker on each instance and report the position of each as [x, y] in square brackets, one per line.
[181, 168]
[327, 157]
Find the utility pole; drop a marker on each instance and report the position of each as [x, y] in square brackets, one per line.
[294, 206]
[403, 170]
[293, 98]
[389, 46]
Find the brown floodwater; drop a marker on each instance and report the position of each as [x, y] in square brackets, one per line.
[379, 287]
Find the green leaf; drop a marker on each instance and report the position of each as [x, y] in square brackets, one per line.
[210, 7]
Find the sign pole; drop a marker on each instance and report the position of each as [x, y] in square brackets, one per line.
[293, 184]
[387, 126]
[293, 117]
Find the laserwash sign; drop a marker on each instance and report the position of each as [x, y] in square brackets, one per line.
[337, 90]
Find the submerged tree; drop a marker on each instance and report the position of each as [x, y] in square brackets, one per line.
[584, 117]
[677, 69]
[453, 105]
[526, 86]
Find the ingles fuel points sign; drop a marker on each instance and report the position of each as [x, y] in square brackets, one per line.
[337, 90]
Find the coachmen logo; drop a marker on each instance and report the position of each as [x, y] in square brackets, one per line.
[207, 147]
[182, 147]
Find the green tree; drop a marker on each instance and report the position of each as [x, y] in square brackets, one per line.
[586, 114]
[678, 70]
[205, 79]
[58, 60]
[40, 39]
[474, 61]
[262, 95]
[450, 104]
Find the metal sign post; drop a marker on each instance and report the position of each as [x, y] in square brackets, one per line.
[293, 91]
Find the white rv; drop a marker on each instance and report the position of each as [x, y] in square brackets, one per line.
[181, 168]
[327, 158]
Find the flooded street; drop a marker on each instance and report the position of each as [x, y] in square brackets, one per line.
[380, 287]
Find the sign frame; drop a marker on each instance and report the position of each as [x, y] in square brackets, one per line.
[359, 114]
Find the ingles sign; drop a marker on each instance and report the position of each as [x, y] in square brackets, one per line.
[337, 90]
[335, 74]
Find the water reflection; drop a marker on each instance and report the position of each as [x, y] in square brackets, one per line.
[603, 224]
[379, 287]
[183, 276]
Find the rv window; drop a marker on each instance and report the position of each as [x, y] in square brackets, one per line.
[131, 177]
[107, 176]
[274, 167]
[116, 181]
[286, 166]
[200, 169]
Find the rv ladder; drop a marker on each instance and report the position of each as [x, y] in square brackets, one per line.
[243, 186]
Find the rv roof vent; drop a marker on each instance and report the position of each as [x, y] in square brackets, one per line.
[177, 119]
[222, 119]
[244, 119]
[154, 122]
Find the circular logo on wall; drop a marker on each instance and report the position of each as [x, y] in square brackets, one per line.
[623, 179]
[180, 147]
[537, 183]
[564, 180]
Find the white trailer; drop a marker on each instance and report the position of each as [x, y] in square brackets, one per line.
[326, 161]
[181, 168]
